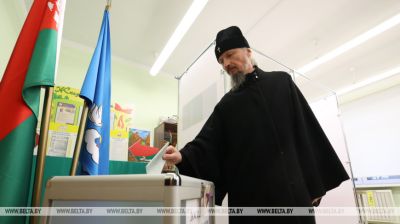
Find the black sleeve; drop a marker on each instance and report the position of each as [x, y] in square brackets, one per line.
[202, 157]
[321, 166]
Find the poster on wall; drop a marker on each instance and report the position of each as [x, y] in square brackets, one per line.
[139, 146]
[66, 109]
[65, 113]
[120, 122]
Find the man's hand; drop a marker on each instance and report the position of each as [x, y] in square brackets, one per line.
[316, 201]
[172, 155]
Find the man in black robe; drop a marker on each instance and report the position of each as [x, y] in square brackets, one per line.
[262, 144]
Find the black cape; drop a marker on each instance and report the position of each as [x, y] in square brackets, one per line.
[264, 147]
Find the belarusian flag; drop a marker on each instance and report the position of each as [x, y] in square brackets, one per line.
[32, 65]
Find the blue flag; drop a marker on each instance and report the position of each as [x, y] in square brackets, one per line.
[96, 91]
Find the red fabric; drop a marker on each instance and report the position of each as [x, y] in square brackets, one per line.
[51, 15]
[138, 149]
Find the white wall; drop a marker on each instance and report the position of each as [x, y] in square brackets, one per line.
[372, 127]
[327, 113]
[8, 33]
[200, 89]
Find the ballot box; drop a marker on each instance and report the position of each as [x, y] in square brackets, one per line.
[138, 198]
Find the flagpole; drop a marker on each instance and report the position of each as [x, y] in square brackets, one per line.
[79, 138]
[108, 5]
[42, 149]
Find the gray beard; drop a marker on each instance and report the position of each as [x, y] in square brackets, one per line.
[237, 80]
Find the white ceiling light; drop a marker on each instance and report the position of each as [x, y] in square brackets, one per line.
[371, 80]
[190, 16]
[395, 20]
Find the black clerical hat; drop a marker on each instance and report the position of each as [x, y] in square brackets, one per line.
[229, 38]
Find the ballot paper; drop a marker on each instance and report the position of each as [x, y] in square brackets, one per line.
[156, 165]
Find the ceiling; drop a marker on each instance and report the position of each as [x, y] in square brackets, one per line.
[294, 32]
